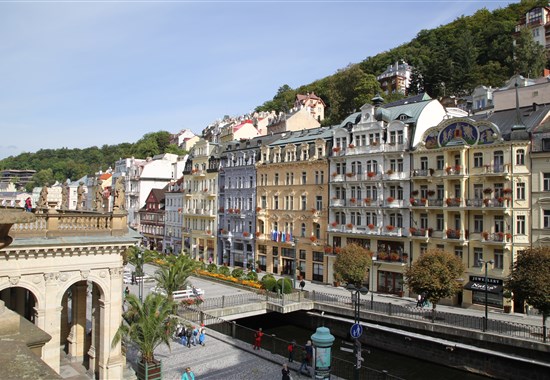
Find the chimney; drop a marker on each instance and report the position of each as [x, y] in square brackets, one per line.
[535, 107]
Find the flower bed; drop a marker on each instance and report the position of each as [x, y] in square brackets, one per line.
[230, 279]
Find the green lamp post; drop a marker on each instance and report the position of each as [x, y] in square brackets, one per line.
[322, 341]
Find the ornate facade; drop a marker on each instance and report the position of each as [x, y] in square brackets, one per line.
[200, 205]
[292, 204]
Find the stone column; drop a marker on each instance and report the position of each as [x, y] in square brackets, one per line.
[77, 337]
[110, 359]
[49, 320]
[93, 367]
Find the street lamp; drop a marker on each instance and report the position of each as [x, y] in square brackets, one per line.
[140, 272]
[376, 264]
[486, 263]
[356, 330]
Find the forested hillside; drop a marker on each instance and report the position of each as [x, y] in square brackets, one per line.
[59, 164]
[449, 60]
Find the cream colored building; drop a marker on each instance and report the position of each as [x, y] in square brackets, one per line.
[292, 205]
[540, 201]
[63, 272]
[200, 204]
[473, 186]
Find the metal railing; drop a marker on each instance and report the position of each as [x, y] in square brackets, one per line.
[508, 328]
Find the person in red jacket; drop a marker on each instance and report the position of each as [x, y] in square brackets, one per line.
[258, 339]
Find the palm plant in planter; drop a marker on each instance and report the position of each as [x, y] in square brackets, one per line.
[148, 325]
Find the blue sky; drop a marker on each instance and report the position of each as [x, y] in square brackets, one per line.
[82, 73]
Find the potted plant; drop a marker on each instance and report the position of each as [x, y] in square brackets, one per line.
[371, 174]
[246, 234]
[394, 256]
[351, 146]
[486, 202]
[431, 193]
[353, 200]
[349, 175]
[389, 227]
[487, 190]
[412, 201]
[336, 149]
[371, 226]
[448, 169]
[258, 209]
[367, 200]
[349, 226]
[414, 193]
[328, 249]
[333, 224]
[337, 279]
[390, 199]
[258, 233]
[382, 256]
[313, 239]
[148, 324]
[390, 172]
[412, 230]
[485, 235]
[423, 200]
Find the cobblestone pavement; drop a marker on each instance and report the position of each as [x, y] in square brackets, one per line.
[221, 358]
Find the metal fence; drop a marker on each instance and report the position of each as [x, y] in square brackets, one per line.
[513, 329]
[339, 367]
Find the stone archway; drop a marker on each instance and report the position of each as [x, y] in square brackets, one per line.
[21, 300]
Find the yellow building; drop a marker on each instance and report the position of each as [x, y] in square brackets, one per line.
[471, 183]
[200, 204]
[292, 204]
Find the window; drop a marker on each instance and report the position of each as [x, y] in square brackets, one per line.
[546, 181]
[440, 191]
[440, 162]
[424, 221]
[499, 223]
[276, 179]
[319, 202]
[478, 191]
[498, 161]
[423, 163]
[478, 257]
[478, 223]
[520, 190]
[458, 252]
[303, 230]
[439, 222]
[423, 248]
[478, 160]
[304, 202]
[276, 202]
[520, 224]
[545, 145]
[304, 178]
[520, 157]
[546, 219]
[499, 258]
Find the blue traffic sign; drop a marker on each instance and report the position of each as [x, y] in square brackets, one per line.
[356, 330]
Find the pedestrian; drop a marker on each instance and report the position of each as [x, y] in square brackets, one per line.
[290, 348]
[126, 292]
[419, 300]
[202, 335]
[286, 372]
[195, 336]
[182, 335]
[305, 362]
[188, 374]
[258, 339]
[28, 204]
[133, 278]
[189, 335]
[302, 285]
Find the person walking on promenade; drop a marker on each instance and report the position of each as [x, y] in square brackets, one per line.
[202, 335]
[28, 204]
[286, 372]
[290, 348]
[188, 374]
[195, 336]
[419, 300]
[258, 339]
[189, 335]
[306, 358]
[302, 285]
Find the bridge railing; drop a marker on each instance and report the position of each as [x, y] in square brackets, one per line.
[514, 329]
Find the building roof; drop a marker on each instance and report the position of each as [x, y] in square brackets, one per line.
[531, 117]
[412, 111]
[297, 137]
[411, 99]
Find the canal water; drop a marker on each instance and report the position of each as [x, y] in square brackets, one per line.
[398, 365]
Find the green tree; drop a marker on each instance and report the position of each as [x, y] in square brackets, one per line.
[530, 280]
[436, 273]
[352, 264]
[174, 274]
[529, 56]
[42, 177]
[147, 324]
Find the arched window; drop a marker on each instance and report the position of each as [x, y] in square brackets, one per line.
[303, 230]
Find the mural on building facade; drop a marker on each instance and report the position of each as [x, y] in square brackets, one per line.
[461, 130]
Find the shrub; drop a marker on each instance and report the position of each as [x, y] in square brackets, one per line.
[269, 283]
[287, 288]
[202, 265]
[252, 276]
[237, 272]
[212, 268]
[224, 271]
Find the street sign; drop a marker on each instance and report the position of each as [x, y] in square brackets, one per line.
[356, 330]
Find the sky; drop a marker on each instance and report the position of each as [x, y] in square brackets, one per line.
[76, 74]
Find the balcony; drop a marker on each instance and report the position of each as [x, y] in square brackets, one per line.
[198, 172]
[453, 202]
[418, 202]
[497, 237]
[393, 203]
[420, 232]
[422, 173]
[392, 257]
[395, 176]
[496, 169]
[456, 234]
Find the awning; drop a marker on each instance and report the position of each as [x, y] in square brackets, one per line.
[480, 287]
